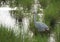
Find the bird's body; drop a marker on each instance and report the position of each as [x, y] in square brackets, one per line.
[40, 25]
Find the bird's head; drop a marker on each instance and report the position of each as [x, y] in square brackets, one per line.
[47, 29]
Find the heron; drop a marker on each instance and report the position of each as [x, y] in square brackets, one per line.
[40, 26]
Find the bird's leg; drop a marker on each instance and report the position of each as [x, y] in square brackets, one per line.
[44, 33]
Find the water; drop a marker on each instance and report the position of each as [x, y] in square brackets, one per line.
[6, 20]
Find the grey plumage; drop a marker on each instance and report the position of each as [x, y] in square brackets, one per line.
[40, 25]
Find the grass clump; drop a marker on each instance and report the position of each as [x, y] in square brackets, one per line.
[7, 36]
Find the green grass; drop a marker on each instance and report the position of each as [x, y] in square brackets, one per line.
[40, 38]
[7, 36]
[57, 32]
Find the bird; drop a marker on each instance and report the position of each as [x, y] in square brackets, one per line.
[40, 26]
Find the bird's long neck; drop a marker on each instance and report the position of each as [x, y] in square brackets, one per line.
[35, 17]
[35, 10]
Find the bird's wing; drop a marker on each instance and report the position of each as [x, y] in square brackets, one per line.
[41, 26]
